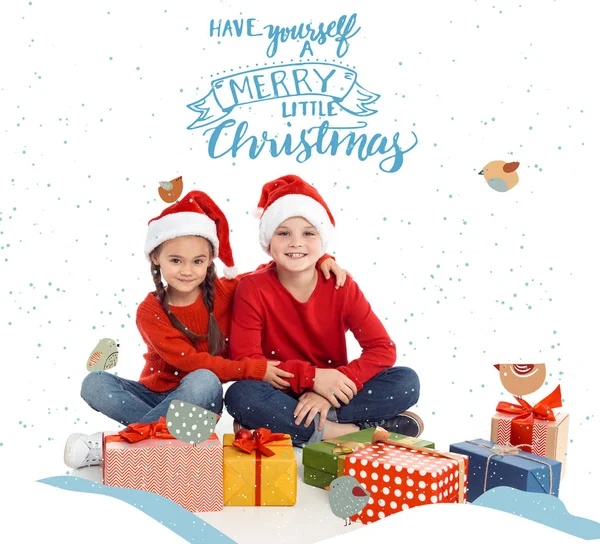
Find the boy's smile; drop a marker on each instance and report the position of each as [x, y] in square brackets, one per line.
[296, 245]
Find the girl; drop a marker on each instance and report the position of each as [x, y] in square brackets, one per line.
[279, 310]
[181, 244]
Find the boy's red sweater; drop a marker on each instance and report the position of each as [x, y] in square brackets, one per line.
[269, 322]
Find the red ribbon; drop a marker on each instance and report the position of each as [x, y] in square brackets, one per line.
[137, 432]
[256, 441]
[521, 427]
[527, 413]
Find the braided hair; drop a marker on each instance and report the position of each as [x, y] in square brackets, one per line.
[216, 343]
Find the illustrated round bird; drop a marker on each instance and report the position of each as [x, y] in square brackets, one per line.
[347, 497]
[190, 423]
[501, 176]
[170, 191]
[522, 379]
[104, 356]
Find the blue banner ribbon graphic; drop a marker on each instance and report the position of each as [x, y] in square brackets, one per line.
[283, 81]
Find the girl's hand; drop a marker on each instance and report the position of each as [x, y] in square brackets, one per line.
[274, 375]
[331, 266]
[333, 385]
[309, 405]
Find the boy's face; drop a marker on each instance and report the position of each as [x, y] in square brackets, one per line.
[183, 263]
[296, 245]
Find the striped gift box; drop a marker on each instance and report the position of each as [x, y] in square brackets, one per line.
[191, 476]
[548, 438]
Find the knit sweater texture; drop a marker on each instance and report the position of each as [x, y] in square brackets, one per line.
[171, 355]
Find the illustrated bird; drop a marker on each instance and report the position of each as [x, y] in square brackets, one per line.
[522, 380]
[190, 423]
[347, 497]
[104, 356]
[501, 176]
[170, 191]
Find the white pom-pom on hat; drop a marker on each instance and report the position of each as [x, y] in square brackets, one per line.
[230, 272]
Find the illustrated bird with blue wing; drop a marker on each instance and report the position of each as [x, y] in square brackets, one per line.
[104, 356]
[347, 497]
[190, 423]
[501, 176]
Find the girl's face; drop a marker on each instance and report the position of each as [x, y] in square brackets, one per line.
[296, 245]
[183, 262]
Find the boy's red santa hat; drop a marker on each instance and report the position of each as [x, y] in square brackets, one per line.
[290, 196]
[194, 215]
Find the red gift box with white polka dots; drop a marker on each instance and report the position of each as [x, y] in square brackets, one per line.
[399, 478]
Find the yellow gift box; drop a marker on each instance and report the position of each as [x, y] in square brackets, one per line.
[256, 478]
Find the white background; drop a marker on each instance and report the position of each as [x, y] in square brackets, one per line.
[85, 139]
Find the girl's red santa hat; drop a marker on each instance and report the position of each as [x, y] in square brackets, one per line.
[194, 215]
[290, 196]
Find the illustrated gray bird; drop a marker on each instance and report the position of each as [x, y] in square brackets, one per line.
[104, 356]
[347, 497]
[190, 423]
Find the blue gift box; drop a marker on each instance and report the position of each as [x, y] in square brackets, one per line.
[522, 470]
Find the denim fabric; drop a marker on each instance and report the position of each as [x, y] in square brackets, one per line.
[128, 401]
[258, 404]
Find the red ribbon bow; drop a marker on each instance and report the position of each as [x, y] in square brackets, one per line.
[525, 413]
[142, 431]
[249, 442]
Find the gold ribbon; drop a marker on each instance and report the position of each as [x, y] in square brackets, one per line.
[381, 435]
[346, 447]
[343, 448]
[501, 450]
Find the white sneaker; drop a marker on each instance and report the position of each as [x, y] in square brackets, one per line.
[83, 450]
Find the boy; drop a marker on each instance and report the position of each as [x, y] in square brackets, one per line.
[287, 312]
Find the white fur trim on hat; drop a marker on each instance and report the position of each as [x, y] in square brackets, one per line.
[230, 272]
[179, 224]
[295, 206]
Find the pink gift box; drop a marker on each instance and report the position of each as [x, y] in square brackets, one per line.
[191, 476]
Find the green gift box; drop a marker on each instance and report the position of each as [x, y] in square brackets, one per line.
[322, 466]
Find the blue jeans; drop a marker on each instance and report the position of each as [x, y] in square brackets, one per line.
[128, 401]
[258, 404]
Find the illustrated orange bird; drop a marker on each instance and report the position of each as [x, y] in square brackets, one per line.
[501, 176]
[170, 191]
[522, 379]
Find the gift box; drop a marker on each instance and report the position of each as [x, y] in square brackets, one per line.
[259, 469]
[190, 475]
[399, 476]
[492, 465]
[533, 429]
[322, 465]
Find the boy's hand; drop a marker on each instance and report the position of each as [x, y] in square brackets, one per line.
[331, 266]
[309, 405]
[275, 375]
[334, 386]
